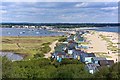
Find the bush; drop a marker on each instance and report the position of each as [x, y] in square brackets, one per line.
[38, 55]
[62, 39]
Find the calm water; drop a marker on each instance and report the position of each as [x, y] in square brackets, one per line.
[41, 32]
[106, 29]
[28, 32]
[11, 56]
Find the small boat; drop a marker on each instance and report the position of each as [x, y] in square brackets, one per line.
[37, 32]
[9, 33]
[21, 32]
[32, 29]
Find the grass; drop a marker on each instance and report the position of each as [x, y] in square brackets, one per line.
[110, 44]
[84, 43]
[27, 45]
[118, 55]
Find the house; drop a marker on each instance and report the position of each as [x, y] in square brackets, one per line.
[70, 38]
[96, 59]
[57, 55]
[81, 32]
[88, 60]
[69, 56]
[84, 46]
[60, 47]
[81, 46]
[72, 45]
[77, 53]
[59, 59]
[26, 26]
[70, 51]
[87, 57]
[79, 39]
[75, 56]
[106, 63]
[92, 68]
[78, 47]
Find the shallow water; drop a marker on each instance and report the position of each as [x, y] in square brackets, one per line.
[12, 56]
[105, 29]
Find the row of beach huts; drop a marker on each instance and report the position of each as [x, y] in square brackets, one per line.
[73, 49]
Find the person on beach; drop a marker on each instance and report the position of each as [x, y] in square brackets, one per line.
[116, 59]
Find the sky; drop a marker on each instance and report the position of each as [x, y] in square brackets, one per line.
[59, 12]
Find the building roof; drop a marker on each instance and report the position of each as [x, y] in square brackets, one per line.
[72, 45]
[78, 52]
[60, 47]
[84, 55]
[98, 58]
[92, 66]
[106, 62]
[88, 55]
[59, 53]
[71, 37]
[69, 56]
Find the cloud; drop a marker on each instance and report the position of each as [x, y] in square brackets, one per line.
[59, 12]
[3, 11]
[110, 8]
[81, 5]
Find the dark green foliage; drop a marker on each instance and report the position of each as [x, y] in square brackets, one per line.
[103, 73]
[72, 71]
[42, 68]
[112, 72]
[70, 61]
[115, 71]
[38, 55]
[46, 44]
[62, 39]
[45, 68]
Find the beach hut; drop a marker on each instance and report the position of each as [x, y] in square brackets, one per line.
[87, 57]
[92, 68]
[96, 59]
[60, 59]
[106, 63]
[70, 51]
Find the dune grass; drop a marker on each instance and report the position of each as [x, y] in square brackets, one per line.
[101, 54]
[110, 43]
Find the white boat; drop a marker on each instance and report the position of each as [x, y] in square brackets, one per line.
[21, 32]
[9, 33]
[37, 32]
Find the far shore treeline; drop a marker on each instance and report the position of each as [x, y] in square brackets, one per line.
[61, 25]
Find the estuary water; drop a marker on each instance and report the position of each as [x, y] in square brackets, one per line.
[28, 32]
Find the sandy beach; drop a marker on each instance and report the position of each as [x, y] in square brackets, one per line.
[99, 45]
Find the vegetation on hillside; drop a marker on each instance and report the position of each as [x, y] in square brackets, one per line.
[45, 68]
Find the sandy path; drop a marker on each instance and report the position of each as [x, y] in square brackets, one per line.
[52, 46]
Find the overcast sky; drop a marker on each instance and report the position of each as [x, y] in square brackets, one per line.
[58, 12]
